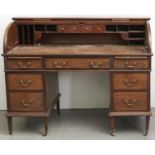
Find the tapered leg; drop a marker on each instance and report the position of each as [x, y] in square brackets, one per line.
[58, 106]
[147, 125]
[113, 125]
[10, 126]
[45, 119]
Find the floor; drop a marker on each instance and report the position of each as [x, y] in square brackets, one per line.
[78, 124]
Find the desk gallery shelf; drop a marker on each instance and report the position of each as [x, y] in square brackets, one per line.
[29, 34]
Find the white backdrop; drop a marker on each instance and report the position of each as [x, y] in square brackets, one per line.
[79, 89]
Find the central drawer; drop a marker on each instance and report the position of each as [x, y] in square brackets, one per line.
[24, 81]
[81, 28]
[130, 101]
[26, 101]
[69, 28]
[82, 63]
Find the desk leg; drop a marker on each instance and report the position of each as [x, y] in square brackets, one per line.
[147, 122]
[113, 125]
[58, 106]
[45, 119]
[10, 126]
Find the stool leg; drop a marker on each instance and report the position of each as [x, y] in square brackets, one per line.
[45, 119]
[58, 106]
[113, 125]
[10, 125]
[147, 122]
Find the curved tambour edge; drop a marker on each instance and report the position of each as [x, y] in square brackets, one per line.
[10, 37]
[148, 36]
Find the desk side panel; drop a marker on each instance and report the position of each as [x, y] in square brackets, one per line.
[51, 88]
[10, 37]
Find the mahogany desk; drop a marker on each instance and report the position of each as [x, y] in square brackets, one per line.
[35, 49]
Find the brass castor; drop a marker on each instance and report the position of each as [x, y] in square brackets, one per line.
[10, 133]
[145, 132]
[44, 134]
[113, 132]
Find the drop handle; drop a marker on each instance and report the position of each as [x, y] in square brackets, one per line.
[95, 64]
[74, 28]
[130, 83]
[62, 28]
[98, 28]
[59, 64]
[25, 83]
[26, 104]
[24, 65]
[130, 102]
[129, 65]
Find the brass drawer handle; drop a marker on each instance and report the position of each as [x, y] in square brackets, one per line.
[130, 102]
[26, 104]
[87, 28]
[95, 64]
[74, 28]
[130, 66]
[130, 83]
[25, 83]
[24, 65]
[59, 64]
[98, 28]
[62, 28]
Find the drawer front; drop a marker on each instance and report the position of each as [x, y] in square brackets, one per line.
[26, 101]
[98, 28]
[130, 101]
[24, 81]
[83, 28]
[87, 28]
[78, 63]
[130, 81]
[131, 63]
[92, 28]
[23, 64]
[69, 28]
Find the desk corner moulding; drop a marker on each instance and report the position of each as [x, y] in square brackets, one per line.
[36, 49]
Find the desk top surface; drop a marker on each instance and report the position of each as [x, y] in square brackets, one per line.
[84, 50]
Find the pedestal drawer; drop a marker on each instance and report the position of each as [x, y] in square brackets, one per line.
[130, 101]
[26, 101]
[24, 81]
[101, 63]
[130, 81]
